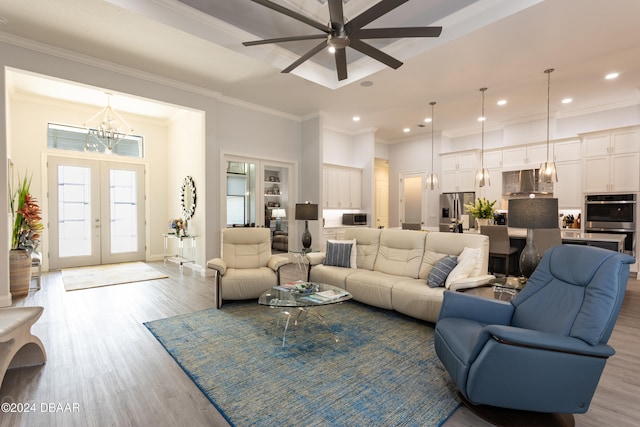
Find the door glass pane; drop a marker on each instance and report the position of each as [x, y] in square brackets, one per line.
[413, 199]
[241, 193]
[124, 211]
[74, 211]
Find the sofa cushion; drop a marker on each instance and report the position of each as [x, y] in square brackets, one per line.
[367, 244]
[338, 254]
[413, 298]
[441, 270]
[372, 287]
[331, 275]
[400, 252]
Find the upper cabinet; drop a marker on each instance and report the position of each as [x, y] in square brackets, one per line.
[611, 161]
[342, 187]
[526, 157]
[458, 171]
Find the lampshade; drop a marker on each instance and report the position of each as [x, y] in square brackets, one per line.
[533, 213]
[279, 213]
[306, 211]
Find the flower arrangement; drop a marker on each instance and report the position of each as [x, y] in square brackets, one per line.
[27, 217]
[179, 225]
[481, 209]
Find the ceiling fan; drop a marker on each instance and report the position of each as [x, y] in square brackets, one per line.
[339, 34]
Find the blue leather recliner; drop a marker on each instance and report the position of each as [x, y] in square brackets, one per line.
[544, 350]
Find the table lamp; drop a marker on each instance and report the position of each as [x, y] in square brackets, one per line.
[278, 214]
[532, 213]
[306, 211]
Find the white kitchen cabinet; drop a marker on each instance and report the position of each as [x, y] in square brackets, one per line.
[526, 157]
[459, 171]
[568, 189]
[330, 234]
[567, 150]
[492, 159]
[611, 161]
[342, 187]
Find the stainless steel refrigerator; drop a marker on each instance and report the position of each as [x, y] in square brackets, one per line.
[452, 208]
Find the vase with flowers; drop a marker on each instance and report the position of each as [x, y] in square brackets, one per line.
[178, 226]
[482, 209]
[25, 235]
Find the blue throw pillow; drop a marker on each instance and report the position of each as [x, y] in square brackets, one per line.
[439, 273]
[338, 254]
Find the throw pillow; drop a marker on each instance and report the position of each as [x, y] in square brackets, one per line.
[474, 253]
[441, 270]
[338, 254]
[461, 271]
[354, 251]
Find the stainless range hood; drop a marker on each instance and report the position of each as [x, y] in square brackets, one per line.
[523, 183]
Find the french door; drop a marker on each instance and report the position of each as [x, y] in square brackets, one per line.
[96, 212]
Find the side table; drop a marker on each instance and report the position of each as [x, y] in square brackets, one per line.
[502, 288]
[179, 257]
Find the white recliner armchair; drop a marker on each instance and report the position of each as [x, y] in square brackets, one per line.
[247, 267]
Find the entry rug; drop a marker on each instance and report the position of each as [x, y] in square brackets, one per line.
[382, 372]
[109, 274]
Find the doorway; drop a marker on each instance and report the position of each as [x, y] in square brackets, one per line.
[97, 212]
[258, 193]
[381, 174]
[411, 185]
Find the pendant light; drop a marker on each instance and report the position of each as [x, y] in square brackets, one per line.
[548, 171]
[432, 178]
[482, 177]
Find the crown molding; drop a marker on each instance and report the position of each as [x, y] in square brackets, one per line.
[69, 55]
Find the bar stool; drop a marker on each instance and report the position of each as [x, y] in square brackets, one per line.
[499, 244]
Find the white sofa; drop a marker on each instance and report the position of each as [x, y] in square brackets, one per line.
[393, 266]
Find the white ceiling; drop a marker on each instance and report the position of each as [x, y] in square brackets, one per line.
[504, 45]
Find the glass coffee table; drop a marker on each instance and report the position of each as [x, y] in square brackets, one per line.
[297, 300]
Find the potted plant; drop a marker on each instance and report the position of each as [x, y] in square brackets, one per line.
[25, 236]
[482, 209]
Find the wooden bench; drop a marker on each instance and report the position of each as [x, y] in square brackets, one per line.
[18, 347]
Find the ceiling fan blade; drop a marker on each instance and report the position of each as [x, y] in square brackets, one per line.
[292, 14]
[336, 15]
[285, 39]
[374, 53]
[304, 57]
[391, 33]
[341, 63]
[373, 13]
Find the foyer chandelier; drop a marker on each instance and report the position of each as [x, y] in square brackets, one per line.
[548, 171]
[482, 177]
[107, 128]
[432, 178]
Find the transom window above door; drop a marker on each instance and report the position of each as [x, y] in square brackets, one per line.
[72, 138]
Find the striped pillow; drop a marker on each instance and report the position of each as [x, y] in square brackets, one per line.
[441, 270]
[338, 254]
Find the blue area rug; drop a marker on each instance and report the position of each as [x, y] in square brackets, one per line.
[382, 372]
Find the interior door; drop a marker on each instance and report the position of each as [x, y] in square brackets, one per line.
[411, 186]
[96, 212]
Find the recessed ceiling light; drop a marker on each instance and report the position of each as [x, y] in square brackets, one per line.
[482, 119]
[612, 76]
[366, 83]
[427, 120]
[502, 102]
[406, 130]
[567, 101]
[356, 118]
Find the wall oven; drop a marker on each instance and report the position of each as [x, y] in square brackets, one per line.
[613, 214]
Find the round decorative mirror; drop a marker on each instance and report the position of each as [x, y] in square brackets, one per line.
[188, 198]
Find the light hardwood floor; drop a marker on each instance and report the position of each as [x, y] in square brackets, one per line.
[105, 369]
